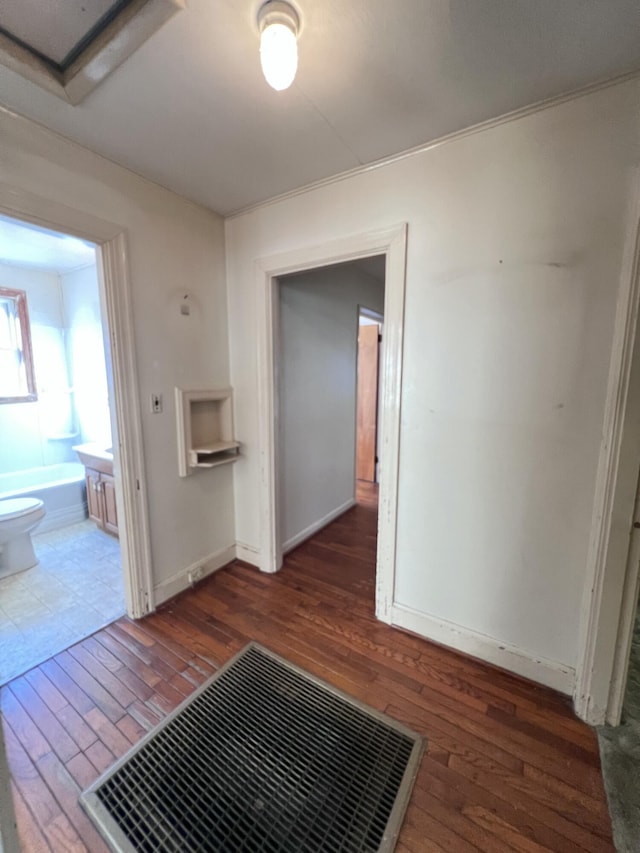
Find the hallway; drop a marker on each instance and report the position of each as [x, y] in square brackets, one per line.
[507, 765]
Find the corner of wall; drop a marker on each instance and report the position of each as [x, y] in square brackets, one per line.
[179, 582]
[552, 674]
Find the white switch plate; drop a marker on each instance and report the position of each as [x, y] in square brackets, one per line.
[156, 403]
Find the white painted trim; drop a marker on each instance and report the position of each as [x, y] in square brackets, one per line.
[123, 386]
[178, 582]
[514, 115]
[248, 554]
[606, 562]
[129, 465]
[120, 39]
[86, 223]
[390, 392]
[38, 210]
[309, 531]
[485, 648]
[270, 554]
[392, 243]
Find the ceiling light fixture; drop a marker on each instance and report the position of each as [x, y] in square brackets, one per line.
[278, 23]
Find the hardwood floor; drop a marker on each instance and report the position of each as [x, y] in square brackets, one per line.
[507, 766]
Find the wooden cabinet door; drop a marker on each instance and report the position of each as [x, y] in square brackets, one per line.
[367, 407]
[110, 509]
[94, 496]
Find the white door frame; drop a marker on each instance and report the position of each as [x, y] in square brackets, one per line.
[392, 243]
[608, 606]
[113, 273]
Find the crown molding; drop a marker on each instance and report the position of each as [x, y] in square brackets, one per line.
[505, 118]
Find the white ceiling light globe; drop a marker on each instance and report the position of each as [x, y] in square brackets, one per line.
[278, 56]
[278, 24]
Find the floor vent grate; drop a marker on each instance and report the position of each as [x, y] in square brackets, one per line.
[263, 758]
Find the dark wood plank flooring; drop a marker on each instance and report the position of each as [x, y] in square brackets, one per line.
[507, 767]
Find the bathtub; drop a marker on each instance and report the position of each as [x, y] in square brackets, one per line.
[61, 487]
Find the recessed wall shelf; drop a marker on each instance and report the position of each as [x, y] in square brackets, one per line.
[205, 429]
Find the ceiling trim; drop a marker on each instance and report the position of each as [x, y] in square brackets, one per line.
[505, 118]
[67, 140]
[118, 40]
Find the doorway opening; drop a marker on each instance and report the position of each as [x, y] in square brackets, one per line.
[61, 573]
[327, 388]
[370, 325]
[391, 246]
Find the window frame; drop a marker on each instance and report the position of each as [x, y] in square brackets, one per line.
[20, 298]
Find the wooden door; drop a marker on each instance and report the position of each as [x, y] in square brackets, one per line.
[367, 409]
[94, 498]
[110, 511]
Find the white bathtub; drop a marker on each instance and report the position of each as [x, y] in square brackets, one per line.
[61, 487]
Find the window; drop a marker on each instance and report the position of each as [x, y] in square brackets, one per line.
[17, 381]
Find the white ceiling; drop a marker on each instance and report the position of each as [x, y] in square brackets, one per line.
[30, 246]
[191, 111]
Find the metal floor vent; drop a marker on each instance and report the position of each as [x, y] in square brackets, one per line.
[263, 758]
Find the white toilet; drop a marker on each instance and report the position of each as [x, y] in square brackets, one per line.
[18, 518]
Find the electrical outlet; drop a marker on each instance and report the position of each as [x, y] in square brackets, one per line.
[195, 575]
[156, 403]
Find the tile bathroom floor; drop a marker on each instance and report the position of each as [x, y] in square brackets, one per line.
[74, 590]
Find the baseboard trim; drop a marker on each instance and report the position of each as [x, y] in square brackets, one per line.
[56, 518]
[180, 581]
[312, 529]
[543, 671]
[248, 554]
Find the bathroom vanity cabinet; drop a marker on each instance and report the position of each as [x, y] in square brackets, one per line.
[101, 499]
[101, 487]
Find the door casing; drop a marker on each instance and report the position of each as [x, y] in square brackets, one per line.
[607, 611]
[392, 243]
[122, 381]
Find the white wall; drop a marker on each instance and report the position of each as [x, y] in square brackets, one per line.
[85, 349]
[514, 247]
[174, 247]
[318, 327]
[27, 430]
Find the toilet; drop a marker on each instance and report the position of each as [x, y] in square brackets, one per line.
[18, 518]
